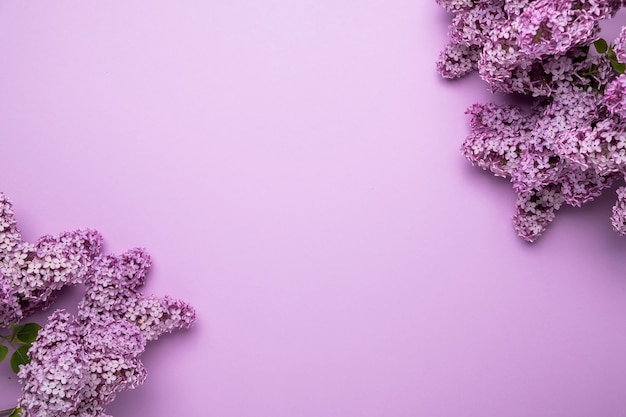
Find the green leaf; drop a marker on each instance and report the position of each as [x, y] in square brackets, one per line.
[28, 333]
[611, 55]
[17, 412]
[20, 357]
[618, 67]
[16, 328]
[3, 352]
[601, 46]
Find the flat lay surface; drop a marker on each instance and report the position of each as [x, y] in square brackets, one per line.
[293, 168]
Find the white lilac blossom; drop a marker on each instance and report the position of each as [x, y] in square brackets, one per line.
[103, 342]
[32, 274]
[570, 144]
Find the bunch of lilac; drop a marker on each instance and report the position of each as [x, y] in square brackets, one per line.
[510, 41]
[570, 144]
[77, 365]
[32, 274]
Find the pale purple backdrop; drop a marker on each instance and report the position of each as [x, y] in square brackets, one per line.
[293, 167]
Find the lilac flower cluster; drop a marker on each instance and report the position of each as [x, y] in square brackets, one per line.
[570, 143]
[113, 294]
[511, 41]
[32, 274]
[74, 370]
[79, 363]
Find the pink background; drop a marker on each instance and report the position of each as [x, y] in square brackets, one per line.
[293, 168]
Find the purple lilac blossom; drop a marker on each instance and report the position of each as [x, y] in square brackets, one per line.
[113, 293]
[105, 340]
[615, 97]
[620, 45]
[551, 27]
[570, 144]
[514, 39]
[32, 274]
[76, 370]
[55, 377]
[619, 212]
